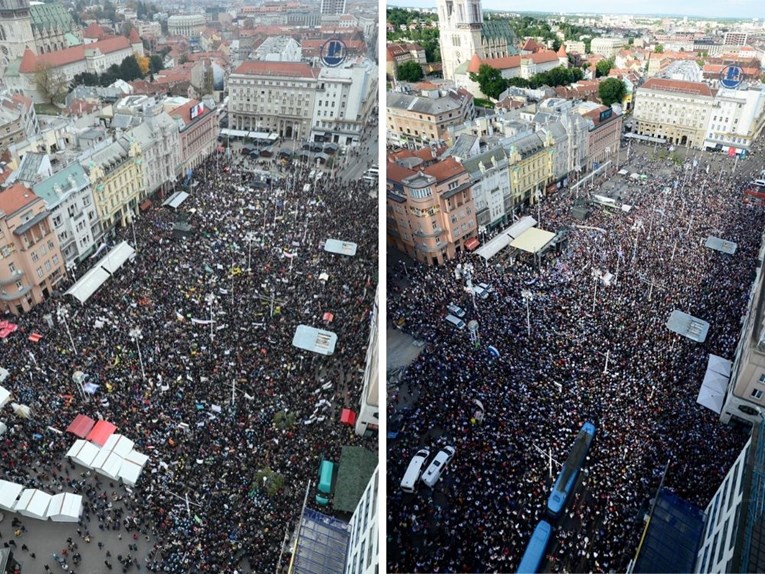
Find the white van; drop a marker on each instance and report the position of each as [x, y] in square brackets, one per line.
[455, 322]
[412, 474]
[433, 472]
[373, 170]
[759, 182]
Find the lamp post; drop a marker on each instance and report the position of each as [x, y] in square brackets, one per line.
[136, 336]
[210, 298]
[249, 238]
[527, 296]
[62, 313]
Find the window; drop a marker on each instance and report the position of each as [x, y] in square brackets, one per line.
[40, 272]
[757, 394]
[19, 285]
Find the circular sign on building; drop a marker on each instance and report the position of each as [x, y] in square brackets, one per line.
[333, 53]
[731, 77]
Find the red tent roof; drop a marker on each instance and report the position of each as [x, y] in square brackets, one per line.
[348, 417]
[101, 433]
[81, 426]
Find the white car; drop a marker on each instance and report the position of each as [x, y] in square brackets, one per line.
[413, 470]
[434, 470]
[481, 290]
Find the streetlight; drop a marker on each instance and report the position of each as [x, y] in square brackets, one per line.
[210, 298]
[135, 335]
[62, 313]
[528, 296]
[249, 238]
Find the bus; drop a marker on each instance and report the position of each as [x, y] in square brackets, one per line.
[566, 480]
[324, 488]
[535, 551]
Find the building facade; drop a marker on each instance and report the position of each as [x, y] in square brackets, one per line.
[427, 117]
[736, 119]
[430, 213]
[332, 7]
[186, 25]
[368, 421]
[69, 198]
[531, 161]
[116, 176]
[607, 47]
[198, 132]
[15, 30]
[345, 98]
[674, 110]
[490, 175]
[18, 120]
[273, 97]
[363, 553]
[30, 259]
[604, 133]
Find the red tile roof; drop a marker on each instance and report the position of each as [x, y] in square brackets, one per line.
[94, 31]
[532, 45]
[445, 169]
[284, 69]
[396, 172]
[31, 61]
[134, 37]
[662, 84]
[509, 62]
[15, 197]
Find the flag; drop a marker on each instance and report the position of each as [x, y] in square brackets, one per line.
[289, 255]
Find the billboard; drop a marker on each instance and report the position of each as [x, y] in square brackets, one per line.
[197, 110]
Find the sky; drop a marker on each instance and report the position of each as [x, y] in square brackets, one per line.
[703, 8]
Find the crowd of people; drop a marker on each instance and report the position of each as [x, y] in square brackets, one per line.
[217, 312]
[593, 352]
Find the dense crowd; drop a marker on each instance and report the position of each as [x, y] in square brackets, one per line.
[277, 229]
[595, 352]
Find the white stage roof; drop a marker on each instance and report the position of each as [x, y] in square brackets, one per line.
[315, 340]
[505, 237]
[340, 247]
[533, 240]
[100, 272]
[722, 245]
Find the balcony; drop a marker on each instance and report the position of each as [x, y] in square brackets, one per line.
[12, 278]
[427, 248]
[16, 294]
[437, 231]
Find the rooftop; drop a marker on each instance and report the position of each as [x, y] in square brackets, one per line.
[283, 69]
[16, 197]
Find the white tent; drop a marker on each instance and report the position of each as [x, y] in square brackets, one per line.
[97, 275]
[119, 444]
[22, 411]
[5, 396]
[111, 466]
[83, 453]
[65, 507]
[33, 503]
[712, 391]
[9, 493]
[4, 374]
[130, 472]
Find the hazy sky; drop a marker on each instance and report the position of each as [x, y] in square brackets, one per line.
[708, 8]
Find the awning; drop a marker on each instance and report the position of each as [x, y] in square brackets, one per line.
[101, 432]
[176, 199]
[81, 426]
[9, 493]
[100, 272]
[712, 391]
[472, 244]
[65, 507]
[505, 237]
[688, 326]
[533, 240]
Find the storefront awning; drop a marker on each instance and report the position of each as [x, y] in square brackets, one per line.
[472, 244]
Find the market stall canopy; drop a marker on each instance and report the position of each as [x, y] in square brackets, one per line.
[722, 245]
[130, 472]
[688, 326]
[340, 247]
[712, 391]
[119, 444]
[110, 466]
[83, 453]
[33, 503]
[81, 426]
[4, 374]
[65, 507]
[101, 432]
[9, 494]
[97, 275]
[5, 396]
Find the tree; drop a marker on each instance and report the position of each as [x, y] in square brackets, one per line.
[409, 71]
[659, 49]
[603, 67]
[611, 91]
[143, 64]
[52, 84]
[490, 80]
[269, 481]
[85, 78]
[156, 63]
[129, 69]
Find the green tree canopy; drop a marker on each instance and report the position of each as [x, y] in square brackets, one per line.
[611, 91]
[409, 71]
[156, 63]
[603, 67]
[490, 80]
[659, 49]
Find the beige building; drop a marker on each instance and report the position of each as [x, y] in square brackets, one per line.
[186, 25]
[430, 213]
[273, 97]
[18, 120]
[426, 118]
[675, 110]
[607, 47]
[531, 161]
[116, 177]
[31, 263]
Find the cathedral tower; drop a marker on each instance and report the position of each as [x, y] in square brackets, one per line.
[459, 23]
[15, 30]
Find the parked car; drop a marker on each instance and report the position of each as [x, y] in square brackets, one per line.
[412, 473]
[455, 310]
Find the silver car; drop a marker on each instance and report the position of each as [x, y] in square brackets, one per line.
[436, 467]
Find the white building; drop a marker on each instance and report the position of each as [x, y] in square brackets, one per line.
[332, 7]
[69, 198]
[490, 175]
[363, 549]
[736, 119]
[273, 97]
[369, 412]
[345, 98]
[186, 25]
[607, 47]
